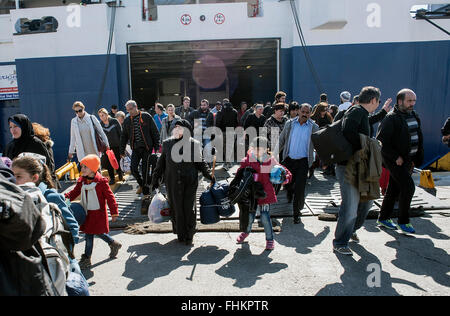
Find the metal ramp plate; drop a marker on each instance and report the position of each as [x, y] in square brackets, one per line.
[129, 203]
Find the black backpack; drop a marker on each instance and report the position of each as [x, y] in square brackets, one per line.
[331, 144]
[23, 267]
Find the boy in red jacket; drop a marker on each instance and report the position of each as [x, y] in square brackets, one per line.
[262, 162]
[95, 194]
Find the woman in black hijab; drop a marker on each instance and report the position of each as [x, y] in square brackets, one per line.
[24, 140]
[181, 160]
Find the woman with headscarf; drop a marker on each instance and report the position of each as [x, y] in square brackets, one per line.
[181, 160]
[25, 141]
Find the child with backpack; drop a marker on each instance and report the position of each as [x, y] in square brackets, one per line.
[30, 170]
[259, 159]
[95, 195]
[33, 175]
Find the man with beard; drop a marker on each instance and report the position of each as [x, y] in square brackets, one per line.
[402, 149]
[297, 154]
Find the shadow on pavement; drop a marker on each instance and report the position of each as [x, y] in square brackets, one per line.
[364, 277]
[302, 240]
[153, 260]
[246, 268]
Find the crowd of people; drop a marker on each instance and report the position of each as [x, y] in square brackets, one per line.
[164, 150]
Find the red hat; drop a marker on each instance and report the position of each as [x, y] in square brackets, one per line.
[92, 162]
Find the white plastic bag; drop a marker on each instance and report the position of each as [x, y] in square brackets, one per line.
[158, 210]
[125, 164]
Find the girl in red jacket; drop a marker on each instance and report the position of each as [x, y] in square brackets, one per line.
[95, 194]
[262, 162]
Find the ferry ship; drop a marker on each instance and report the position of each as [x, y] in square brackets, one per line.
[53, 52]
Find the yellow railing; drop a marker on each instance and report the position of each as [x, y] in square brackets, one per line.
[68, 167]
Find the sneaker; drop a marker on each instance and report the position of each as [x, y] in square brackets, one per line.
[270, 245]
[241, 238]
[407, 228]
[355, 238]
[139, 190]
[343, 251]
[389, 224]
[85, 262]
[115, 246]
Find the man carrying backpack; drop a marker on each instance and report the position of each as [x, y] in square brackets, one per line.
[353, 211]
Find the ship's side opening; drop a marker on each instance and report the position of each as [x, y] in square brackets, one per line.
[241, 70]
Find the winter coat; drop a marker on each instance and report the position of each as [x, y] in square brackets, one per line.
[27, 142]
[228, 117]
[245, 192]
[263, 175]
[174, 172]
[167, 132]
[76, 143]
[272, 122]
[184, 114]
[148, 130]
[253, 121]
[395, 139]
[96, 221]
[364, 169]
[113, 132]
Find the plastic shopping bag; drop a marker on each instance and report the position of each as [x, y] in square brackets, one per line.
[158, 210]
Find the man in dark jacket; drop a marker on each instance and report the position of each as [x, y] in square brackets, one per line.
[353, 211]
[402, 148]
[185, 110]
[197, 118]
[140, 130]
[228, 117]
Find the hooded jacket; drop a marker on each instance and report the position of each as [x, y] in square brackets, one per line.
[27, 142]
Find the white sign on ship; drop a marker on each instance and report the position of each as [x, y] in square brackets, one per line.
[9, 89]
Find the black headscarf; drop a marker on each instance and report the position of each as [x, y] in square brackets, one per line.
[27, 142]
[186, 124]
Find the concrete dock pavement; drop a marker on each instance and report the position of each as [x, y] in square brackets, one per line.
[303, 263]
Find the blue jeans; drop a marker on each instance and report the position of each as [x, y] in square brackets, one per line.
[265, 219]
[352, 212]
[90, 242]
